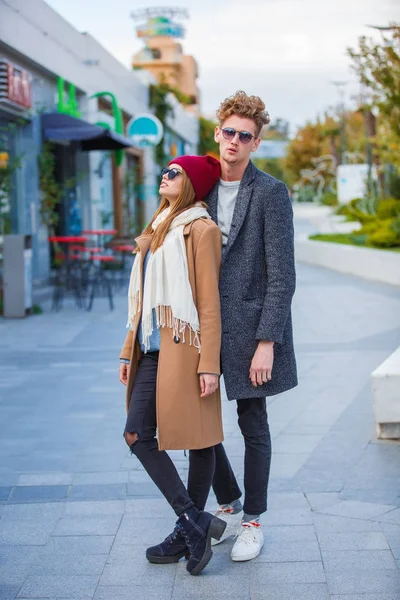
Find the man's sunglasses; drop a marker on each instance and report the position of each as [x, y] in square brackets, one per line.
[244, 136]
[172, 173]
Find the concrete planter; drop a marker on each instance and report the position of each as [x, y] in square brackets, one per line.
[386, 397]
[368, 263]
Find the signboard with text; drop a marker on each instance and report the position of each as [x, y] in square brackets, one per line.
[160, 26]
[352, 181]
[160, 21]
[15, 86]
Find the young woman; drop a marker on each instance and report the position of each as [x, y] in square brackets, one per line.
[170, 361]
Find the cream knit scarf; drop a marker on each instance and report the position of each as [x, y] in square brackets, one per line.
[166, 286]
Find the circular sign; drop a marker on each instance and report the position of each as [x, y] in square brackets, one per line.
[145, 130]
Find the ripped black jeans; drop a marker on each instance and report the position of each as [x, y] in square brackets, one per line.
[142, 420]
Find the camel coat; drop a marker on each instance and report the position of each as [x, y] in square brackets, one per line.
[184, 420]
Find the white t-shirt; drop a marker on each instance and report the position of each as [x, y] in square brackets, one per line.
[227, 194]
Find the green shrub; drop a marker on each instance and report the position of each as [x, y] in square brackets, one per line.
[386, 236]
[305, 194]
[342, 210]
[362, 210]
[340, 238]
[389, 208]
[368, 228]
[329, 199]
[395, 225]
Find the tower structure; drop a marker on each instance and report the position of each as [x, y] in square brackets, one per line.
[162, 54]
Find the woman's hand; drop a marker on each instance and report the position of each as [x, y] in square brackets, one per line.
[124, 373]
[208, 384]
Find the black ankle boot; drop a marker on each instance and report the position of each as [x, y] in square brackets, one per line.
[171, 550]
[197, 532]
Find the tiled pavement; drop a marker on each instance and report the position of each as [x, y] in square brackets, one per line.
[77, 511]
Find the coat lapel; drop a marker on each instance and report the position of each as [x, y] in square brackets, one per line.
[242, 204]
[143, 241]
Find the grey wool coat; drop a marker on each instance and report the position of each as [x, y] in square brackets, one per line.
[257, 284]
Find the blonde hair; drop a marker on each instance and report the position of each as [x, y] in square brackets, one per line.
[186, 198]
[242, 105]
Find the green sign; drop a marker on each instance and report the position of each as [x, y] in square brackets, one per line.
[118, 122]
[68, 105]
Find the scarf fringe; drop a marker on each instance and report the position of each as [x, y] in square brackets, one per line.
[134, 308]
[165, 318]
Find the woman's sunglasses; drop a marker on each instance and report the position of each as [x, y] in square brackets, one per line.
[172, 173]
[244, 136]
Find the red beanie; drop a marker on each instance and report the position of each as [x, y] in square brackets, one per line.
[203, 172]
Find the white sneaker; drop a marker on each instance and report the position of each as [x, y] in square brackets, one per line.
[232, 523]
[250, 540]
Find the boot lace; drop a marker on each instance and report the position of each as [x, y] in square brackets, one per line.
[172, 537]
[185, 537]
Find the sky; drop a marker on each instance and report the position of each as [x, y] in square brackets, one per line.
[286, 51]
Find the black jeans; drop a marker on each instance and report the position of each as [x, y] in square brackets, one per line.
[142, 420]
[253, 422]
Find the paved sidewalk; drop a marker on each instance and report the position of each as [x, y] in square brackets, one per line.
[77, 511]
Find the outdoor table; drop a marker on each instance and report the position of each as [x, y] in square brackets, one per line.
[100, 234]
[124, 248]
[66, 242]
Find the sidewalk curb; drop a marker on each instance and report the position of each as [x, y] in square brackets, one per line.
[382, 266]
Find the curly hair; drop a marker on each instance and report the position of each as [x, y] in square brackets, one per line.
[242, 105]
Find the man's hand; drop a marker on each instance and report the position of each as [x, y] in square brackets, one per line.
[124, 373]
[261, 365]
[208, 384]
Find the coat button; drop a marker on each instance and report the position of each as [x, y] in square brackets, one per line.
[176, 339]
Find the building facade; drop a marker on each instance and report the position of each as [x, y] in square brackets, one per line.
[163, 56]
[65, 87]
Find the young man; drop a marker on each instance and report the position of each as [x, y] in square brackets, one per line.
[254, 213]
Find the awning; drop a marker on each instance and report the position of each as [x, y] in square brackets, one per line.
[61, 127]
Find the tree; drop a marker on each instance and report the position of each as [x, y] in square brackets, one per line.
[308, 143]
[272, 166]
[323, 138]
[207, 145]
[378, 68]
[158, 100]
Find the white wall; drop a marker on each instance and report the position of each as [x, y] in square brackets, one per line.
[185, 124]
